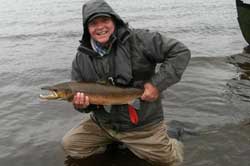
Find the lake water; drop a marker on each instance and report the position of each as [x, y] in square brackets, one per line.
[38, 40]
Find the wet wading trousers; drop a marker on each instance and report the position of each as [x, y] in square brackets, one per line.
[151, 144]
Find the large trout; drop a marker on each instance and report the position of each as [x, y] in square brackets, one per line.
[100, 94]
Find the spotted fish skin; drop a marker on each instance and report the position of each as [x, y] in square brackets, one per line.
[100, 94]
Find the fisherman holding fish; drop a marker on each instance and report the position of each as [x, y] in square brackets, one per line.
[113, 53]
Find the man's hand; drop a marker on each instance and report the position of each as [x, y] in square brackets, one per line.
[80, 101]
[151, 93]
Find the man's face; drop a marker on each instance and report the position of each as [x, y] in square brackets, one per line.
[101, 28]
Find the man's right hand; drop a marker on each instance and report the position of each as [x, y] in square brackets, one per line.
[80, 101]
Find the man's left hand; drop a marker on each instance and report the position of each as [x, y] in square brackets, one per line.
[151, 93]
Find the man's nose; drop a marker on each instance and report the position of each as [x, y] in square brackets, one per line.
[99, 25]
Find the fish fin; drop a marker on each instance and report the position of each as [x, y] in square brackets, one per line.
[70, 98]
[133, 115]
[135, 103]
[107, 108]
[103, 82]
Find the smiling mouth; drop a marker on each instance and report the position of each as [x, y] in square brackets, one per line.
[102, 33]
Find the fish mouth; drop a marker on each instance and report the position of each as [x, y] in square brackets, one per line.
[50, 96]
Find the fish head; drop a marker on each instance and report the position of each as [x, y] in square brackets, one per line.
[57, 93]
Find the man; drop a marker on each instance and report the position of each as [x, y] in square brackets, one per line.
[112, 52]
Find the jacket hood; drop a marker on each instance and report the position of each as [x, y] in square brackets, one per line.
[94, 7]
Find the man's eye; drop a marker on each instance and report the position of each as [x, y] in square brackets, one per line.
[92, 23]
